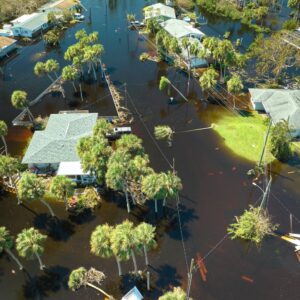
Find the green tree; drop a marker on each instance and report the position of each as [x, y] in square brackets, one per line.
[164, 132]
[176, 294]
[70, 73]
[280, 141]
[130, 144]
[234, 86]
[3, 133]
[101, 244]
[19, 101]
[62, 187]
[117, 174]
[6, 244]
[102, 128]
[253, 225]
[89, 199]
[208, 80]
[30, 244]
[83, 277]
[33, 188]
[146, 238]
[52, 66]
[295, 6]
[166, 83]
[124, 241]
[52, 37]
[10, 166]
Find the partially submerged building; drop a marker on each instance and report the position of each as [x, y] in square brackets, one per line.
[279, 104]
[160, 12]
[60, 5]
[54, 149]
[7, 45]
[30, 25]
[181, 29]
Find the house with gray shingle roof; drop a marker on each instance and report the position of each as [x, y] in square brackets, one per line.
[56, 144]
[280, 104]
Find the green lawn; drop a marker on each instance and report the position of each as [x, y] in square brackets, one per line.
[244, 135]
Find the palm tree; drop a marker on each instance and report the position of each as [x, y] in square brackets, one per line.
[234, 86]
[186, 44]
[6, 243]
[101, 244]
[62, 187]
[70, 73]
[10, 166]
[146, 238]
[164, 132]
[124, 241]
[39, 69]
[208, 80]
[130, 144]
[32, 188]
[172, 185]
[177, 294]
[102, 128]
[30, 244]
[51, 66]
[19, 101]
[117, 174]
[91, 57]
[83, 277]
[3, 132]
[166, 83]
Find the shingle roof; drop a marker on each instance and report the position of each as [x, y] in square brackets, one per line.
[34, 22]
[58, 141]
[159, 9]
[179, 28]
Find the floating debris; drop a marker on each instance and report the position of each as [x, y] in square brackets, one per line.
[247, 279]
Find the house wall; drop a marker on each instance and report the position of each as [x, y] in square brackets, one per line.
[257, 105]
[25, 32]
[7, 50]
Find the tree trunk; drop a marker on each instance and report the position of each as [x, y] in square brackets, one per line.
[8, 251]
[74, 86]
[31, 118]
[49, 76]
[165, 201]
[80, 89]
[127, 200]
[66, 202]
[42, 266]
[94, 72]
[5, 145]
[146, 255]
[99, 290]
[49, 207]
[119, 266]
[16, 188]
[155, 205]
[134, 261]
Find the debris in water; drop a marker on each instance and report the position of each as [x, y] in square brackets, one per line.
[202, 267]
[247, 279]
[291, 172]
[13, 271]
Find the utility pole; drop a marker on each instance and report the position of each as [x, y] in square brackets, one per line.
[291, 223]
[266, 194]
[190, 277]
[125, 91]
[265, 143]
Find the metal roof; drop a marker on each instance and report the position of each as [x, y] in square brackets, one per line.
[179, 29]
[280, 104]
[35, 22]
[57, 143]
[158, 10]
[5, 42]
[133, 294]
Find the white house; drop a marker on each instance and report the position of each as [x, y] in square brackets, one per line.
[31, 26]
[133, 294]
[159, 11]
[7, 45]
[54, 149]
[180, 29]
[280, 104]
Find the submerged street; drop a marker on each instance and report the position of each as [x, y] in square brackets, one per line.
[216, 187]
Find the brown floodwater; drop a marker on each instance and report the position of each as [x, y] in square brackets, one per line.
[216, 187]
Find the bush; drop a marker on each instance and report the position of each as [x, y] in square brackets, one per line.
[253, 225]
[280, 141]
[144, 56]
[186, 4]
[291, 24]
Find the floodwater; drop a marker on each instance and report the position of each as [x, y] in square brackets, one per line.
[216, 187]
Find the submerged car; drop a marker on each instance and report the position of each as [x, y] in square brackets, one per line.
[78, 16]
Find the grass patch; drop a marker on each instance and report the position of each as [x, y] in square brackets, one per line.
[244, 135]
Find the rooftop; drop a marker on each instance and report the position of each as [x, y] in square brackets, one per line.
[179, 29]
[133, 294]
[159, 9]
[280, 104]
[57, 143]
[60, 4]
[5, 42]
[36, 21]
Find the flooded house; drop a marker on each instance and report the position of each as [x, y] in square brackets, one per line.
[30, 26]
[7, 45]
[279, 104]
[53, 150]
[60, 5]
[160, 12]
